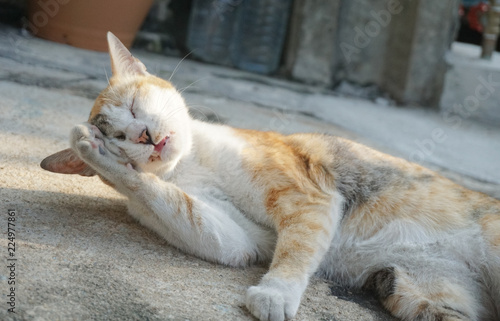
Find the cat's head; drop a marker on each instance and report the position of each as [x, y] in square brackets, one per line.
[141, 116]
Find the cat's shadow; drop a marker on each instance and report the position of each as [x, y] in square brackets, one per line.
[362, 298]
[75, 215]
[100, 220]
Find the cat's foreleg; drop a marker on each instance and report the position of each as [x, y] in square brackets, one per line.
[304, 236]
[196, 226]
[186, 221]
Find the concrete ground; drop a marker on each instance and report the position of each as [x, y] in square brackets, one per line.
[81, 257]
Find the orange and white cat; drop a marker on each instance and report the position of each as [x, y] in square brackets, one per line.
[306, 203]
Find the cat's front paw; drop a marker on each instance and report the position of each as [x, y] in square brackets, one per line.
[105, 158]
[87, 140]
[93, 148]
[273, 300]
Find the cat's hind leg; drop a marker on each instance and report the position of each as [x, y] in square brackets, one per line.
[424, 298]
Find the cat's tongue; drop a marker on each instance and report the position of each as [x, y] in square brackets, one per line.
[161, 144]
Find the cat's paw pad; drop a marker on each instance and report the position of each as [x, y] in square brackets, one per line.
[85, 131]
[86, 139]
[88, 148]
[270, 303]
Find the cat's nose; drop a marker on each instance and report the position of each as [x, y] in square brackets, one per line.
[144, 138]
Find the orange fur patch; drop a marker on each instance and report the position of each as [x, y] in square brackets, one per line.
[291, 171]
[290, 167]
[153, 81]
[274, 195]
[195, 220]
[110, 96]
[490, 224]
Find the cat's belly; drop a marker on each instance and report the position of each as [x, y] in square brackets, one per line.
[352, 258]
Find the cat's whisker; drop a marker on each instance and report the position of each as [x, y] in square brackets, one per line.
[107, 78]
[191, 84]
[166, 104]
[111, 88]
[199, 108]
[178, 65]
[173, 112]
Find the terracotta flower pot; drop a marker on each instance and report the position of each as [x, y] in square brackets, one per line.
[84, 23]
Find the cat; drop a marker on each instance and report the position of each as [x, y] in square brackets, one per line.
[305, 203]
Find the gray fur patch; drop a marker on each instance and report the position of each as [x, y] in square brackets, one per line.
[101, 122]
[359, 180]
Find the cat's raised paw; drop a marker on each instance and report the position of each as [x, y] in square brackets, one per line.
[86, 139]
[85, 131]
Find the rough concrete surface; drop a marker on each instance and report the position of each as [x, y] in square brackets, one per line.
[81, 257]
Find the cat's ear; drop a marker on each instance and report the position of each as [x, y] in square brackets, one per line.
[66, 162]
[122, 61]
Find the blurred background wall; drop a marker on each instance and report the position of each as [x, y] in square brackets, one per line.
[403, 50]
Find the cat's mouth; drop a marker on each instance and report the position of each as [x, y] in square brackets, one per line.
[156, 154]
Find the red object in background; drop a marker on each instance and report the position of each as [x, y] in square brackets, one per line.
[84, 23]
[473, 15]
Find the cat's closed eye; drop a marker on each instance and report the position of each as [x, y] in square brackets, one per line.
[120, 135]
[132, 108]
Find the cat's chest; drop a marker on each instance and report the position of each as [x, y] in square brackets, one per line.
[227, 182]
